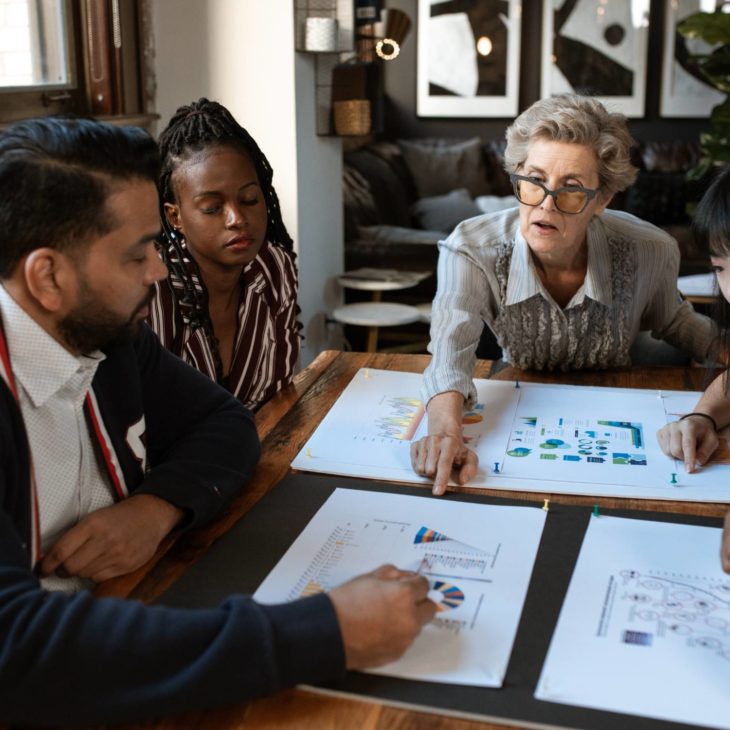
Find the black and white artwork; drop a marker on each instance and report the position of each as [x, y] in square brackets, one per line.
[468, 58]
[597, 48]
[685, 92]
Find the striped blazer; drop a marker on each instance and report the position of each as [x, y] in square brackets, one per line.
[266, 345]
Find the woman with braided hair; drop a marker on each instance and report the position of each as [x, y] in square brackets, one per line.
[228, 307]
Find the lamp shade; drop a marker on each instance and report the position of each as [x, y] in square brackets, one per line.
[396, 25]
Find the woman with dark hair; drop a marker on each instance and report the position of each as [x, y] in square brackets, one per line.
[228, 307]
[694, 437]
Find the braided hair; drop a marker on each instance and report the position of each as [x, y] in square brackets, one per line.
[193, 128]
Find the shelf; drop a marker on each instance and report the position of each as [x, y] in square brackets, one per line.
[340, 10]
[325, 61]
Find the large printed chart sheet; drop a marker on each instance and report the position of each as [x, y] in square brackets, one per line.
[528, 436]
[645, 625]
[478, 560]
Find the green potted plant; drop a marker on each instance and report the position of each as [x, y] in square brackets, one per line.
[714, 66]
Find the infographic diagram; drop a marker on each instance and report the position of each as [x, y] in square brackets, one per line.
[578, 440]
[652, 607]
[644, 628]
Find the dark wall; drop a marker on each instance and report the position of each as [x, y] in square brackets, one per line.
[400, 86]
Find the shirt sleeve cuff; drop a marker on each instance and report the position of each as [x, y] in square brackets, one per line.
[434, 384]
[307, 641]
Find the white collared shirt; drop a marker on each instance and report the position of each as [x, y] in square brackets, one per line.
[524, 281]
[52, 385]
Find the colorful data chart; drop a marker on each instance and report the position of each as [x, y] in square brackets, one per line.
[318, 576]
[451, 596]
[574, 440]
[404, 416]
[477, 582]
[473, 424]
[445, 558]
[426, 534]
[474, 416]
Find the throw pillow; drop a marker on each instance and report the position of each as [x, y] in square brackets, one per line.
[392, 235]
[441, 165]
[445, 212]
[493, 203]
[388, 190]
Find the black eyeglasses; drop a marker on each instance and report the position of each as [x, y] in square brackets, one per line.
[571, 199]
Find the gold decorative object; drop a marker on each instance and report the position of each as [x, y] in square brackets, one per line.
[352, 117]
[396, 24]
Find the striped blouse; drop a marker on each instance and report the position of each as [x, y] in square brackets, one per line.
[486, 275]
[266, 345]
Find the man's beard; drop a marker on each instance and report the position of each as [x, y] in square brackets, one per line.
[91, 326]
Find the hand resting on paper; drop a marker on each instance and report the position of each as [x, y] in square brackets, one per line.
[443, 449]
[692, 440]
[380, 614]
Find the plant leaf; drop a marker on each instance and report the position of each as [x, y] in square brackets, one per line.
[711, 27]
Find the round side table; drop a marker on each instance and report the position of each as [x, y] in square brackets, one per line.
[376, 314]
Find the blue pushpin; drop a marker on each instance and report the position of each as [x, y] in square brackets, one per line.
[517, 383]
[496, 467]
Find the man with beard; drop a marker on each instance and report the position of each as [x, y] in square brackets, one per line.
[107, 443]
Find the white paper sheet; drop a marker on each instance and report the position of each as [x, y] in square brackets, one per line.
[478, 559]
[535, 437]
[645, 625]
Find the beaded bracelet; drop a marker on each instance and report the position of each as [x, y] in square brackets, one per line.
[704, 415]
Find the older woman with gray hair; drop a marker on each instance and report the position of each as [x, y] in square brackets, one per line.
[562, 282]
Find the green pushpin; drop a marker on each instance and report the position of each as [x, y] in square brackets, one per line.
[595, 510]
[674, 479]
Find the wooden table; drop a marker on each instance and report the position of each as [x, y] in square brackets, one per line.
[284, 425]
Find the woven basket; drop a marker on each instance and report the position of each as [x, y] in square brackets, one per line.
[352, 117]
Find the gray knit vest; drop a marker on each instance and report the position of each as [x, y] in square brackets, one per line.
[537, 334]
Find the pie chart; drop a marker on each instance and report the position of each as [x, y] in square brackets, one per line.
[451, 596]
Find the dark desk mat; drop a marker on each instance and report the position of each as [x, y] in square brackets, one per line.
[242, 558]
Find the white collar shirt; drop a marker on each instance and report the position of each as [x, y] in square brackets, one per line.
[70, 481]
[524, 281]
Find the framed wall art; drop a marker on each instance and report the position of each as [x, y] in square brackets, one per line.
[597, 48]
[685, 93]
[468, 58]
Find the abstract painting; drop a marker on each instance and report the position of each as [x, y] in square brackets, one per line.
[468, 58]
[597, 48]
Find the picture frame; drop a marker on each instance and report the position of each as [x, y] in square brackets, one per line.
[468, 58]
[597, 48]
[684, 93]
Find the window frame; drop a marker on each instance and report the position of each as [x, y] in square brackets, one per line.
[74, 96]
[42, 100]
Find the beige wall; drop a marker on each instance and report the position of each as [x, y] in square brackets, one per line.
[241, 53]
